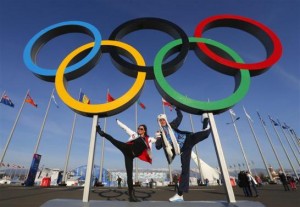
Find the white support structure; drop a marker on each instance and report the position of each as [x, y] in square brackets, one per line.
[221, 160]
[90, 162]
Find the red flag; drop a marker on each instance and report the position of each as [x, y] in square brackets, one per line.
[109, 98]
[165, 103]
[141, 104]
[30, 100]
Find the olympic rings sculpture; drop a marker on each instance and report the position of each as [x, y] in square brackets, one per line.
[214, 54]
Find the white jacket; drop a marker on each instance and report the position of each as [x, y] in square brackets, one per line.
[133, 135]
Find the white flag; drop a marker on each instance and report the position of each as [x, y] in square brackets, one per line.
[53, 98]
[232, 112]
[248, 116]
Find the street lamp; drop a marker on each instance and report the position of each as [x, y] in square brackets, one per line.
[237, 118]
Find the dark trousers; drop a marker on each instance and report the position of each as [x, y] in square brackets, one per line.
[126, 149]
[286, 186]
[186, 151]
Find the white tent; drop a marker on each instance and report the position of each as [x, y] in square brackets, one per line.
[207, 171]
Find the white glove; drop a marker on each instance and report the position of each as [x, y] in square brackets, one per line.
[157, 135]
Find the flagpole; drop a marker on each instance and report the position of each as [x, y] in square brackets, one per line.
[103, 146]
[43, 124]
[271, 143]
[296, 137]
[136, 160]
[90, 162]
[288, 141]
[239, 139]
[294, 141]
[164, 110]
[258, 146]
[221, 159]
[13, 129]
[197, 154]
[283, 147]
[69, 146]
[102, 153]
[169, 165]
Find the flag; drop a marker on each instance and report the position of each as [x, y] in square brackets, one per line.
[232, 112]
[84, 99]
[264, 123]
[53, 99]
[6, 100]
[248, 116]
[165, 103]
[273, 122]
[292, 131]
[109, 98]
[141, 104]
[30, 100]
[285, 126]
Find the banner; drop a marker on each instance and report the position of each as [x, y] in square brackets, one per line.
[33, 170]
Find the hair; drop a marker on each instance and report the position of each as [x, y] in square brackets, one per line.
[145, 127]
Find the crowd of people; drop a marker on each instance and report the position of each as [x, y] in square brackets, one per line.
[249, 184]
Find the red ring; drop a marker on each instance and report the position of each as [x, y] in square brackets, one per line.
[240, 22]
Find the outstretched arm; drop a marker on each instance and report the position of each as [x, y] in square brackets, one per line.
[132, 134]
[176, 122]
[151, 140]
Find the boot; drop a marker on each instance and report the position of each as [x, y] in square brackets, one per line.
[132, 197]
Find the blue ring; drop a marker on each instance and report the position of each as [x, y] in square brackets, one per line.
[45, 35]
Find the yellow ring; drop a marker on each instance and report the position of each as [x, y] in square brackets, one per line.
[105, 109]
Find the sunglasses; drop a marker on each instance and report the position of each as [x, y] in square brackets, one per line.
[141, 129]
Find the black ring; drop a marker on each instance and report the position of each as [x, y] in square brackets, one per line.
[150, 23]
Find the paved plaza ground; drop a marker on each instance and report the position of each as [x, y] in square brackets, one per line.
[15, 196]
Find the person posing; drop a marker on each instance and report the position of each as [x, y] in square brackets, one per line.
[176, 142]
[137, 146]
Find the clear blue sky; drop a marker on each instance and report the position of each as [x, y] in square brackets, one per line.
[276, 92]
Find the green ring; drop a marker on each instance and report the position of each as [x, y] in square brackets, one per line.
[194, 106]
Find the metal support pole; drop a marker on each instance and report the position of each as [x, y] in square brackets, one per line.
[271, 143]
[90, 162]
[197, 154]
[221, 159]
[240, 142]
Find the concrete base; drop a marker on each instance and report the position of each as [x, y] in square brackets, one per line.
[97, 203]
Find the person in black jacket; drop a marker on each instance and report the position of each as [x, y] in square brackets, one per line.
[176, 142]
[283, 180]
